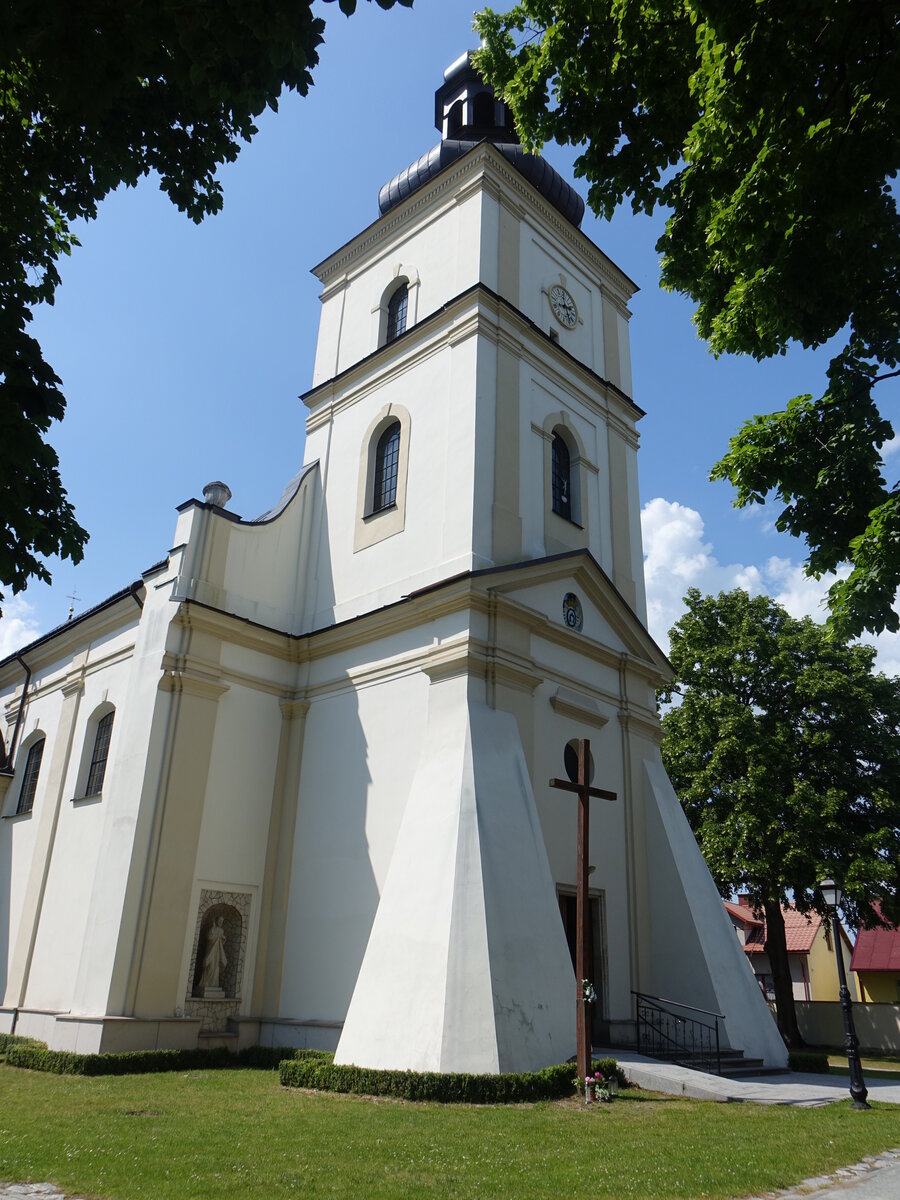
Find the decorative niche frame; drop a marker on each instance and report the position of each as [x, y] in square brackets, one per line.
[234, 907]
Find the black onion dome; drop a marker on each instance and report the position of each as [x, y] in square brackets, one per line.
[467, 113]
[535, 169]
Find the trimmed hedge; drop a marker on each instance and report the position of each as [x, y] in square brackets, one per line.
[13, 1039]
[317, 1069]
[33, 1055]
[813, 1062]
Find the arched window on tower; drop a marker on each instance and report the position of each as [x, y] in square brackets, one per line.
[387, 459]
[561, 477]
[396, 314]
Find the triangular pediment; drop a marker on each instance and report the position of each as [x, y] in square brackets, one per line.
[541, 586]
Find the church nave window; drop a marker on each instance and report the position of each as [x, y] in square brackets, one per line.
[561, 478]
[30, 778]
[99, 756]
[396, 314]
[387, 460]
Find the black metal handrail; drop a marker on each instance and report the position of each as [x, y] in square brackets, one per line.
[666, 1034]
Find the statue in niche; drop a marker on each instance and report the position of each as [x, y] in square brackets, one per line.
[215, 960]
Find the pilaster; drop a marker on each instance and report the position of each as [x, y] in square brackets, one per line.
[169, 878]
[279, 852]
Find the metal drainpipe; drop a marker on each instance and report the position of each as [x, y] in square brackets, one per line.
[11, 756]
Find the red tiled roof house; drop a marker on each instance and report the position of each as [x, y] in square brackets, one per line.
[876, 963]
[810, 951]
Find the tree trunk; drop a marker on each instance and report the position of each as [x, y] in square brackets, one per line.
[776, 949]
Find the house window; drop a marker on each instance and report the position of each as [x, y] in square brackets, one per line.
[396, 314]
[561, 477]
[387, 458]
[30, 778]
[99, 756]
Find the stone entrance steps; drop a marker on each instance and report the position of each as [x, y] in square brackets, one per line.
[735, 1065]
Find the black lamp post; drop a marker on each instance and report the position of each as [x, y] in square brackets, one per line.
[833, 896]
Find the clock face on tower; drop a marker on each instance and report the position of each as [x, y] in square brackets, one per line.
[563, 306]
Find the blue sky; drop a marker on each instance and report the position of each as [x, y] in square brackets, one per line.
[183, 348]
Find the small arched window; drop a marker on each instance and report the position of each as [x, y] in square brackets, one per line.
[483, 111]
[396, 314]
[455, 119]
[561, 477]
[99, 756]
[387, 459]
[30, 778]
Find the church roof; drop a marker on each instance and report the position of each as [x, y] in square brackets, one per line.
[800, 929]
[876, 949]
[536, 170]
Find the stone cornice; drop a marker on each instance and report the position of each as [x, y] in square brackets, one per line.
[476, 311]
[66, 680]
[566, 703]
[642, 725]
[485, 593]
[117, 612]
[182, 673]
[483, 167]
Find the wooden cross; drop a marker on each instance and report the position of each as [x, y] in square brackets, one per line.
[581, 786]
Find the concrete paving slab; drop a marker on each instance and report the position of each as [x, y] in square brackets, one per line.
[795, 1088]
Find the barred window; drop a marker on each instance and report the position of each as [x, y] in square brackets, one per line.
[561, 476]
[30, 778]
[387, 460]
[99, 756]
[396, 315]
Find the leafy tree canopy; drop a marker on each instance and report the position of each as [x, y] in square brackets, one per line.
[95, 93]
[770, 133]
[785, 752]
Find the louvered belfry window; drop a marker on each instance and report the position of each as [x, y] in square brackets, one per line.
[561, 478]
[387, 459]
[99, 756]
[396, 318]
[30, 778]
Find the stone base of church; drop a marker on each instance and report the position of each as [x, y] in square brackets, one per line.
[300, 1035]
[104, 1035]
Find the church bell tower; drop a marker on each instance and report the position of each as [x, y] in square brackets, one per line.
[471, 403]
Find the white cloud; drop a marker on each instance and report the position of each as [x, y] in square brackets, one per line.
[889, 449]
[18, 626]
[676, 557]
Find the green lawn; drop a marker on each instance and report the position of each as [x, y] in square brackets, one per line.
[882, 1064]
[239, 1133]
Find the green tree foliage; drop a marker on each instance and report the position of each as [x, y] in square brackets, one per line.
[95, 93]
[770, 133]
[785, 751]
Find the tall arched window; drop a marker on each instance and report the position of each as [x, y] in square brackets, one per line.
[387, 459]
[561, 477]
[396, 314]
[99, 756]
[30, 778]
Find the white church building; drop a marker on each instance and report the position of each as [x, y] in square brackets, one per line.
[291, 786]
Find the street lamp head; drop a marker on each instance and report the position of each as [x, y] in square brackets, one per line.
[831, 893]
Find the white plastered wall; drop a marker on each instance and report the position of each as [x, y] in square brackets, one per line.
[359, 755]
[79, 832]
[436, 247]
[467, 967]
[438, 392]
[695, 954]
